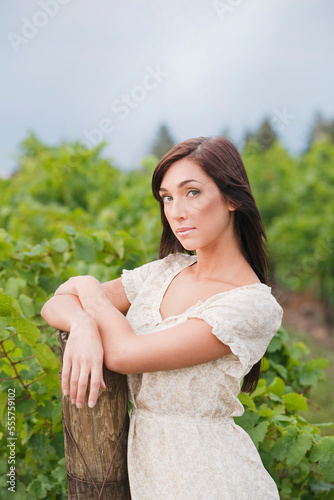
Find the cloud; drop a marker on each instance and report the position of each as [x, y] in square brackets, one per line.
[222, 72]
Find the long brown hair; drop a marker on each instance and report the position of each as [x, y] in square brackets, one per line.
[220, 159]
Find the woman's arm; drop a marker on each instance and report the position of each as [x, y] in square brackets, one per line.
[187, 344]
[84, 354]
[60, 311]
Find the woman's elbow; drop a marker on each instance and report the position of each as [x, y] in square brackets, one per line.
[113, 363]
[44, 310]
[47, 313]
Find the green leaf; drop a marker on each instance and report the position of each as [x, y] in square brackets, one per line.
[17, 353]
[26, 330]
[25, 406]
[258, 432]
[246, 400]
[4, 323]
[69, 230]
[283, 445]
[47, 409]
[118, 245]
[277, 387]
[59, 473]
[6, 249]
[8, 345]
[323, 453]
[260, 389]
[60, 244]
[265, 365]
[301, 445]
[275, 344]
[281, 370]
[37, 488]
[35, 250]
[8, 370]
[46, 357]
[27, 305]
[265, 411]
[279, 409]
[248, 420]
[317, 363]
[13, 286]
[307, 377]
[275, 398]
[298, 349]
[9, 306]
[84, 248]
[295, 402]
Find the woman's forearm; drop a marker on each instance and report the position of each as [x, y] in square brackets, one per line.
[116, 333]
[115, 330]
[62, 311]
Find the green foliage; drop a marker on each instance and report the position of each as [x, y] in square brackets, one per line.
[263, 138]
[29, 369]
[67, 212]
[296, 200]
[29, 355]
[298, 458]
[321, 128]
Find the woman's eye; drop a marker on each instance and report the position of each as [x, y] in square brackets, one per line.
[166, 198]
[193, 192]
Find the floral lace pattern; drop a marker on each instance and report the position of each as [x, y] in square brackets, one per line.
[183, 442]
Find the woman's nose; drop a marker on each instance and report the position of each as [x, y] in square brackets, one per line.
[178, 210]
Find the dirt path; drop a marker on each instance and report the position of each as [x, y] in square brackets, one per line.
[303, 312]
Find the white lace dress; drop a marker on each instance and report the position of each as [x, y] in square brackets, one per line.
[183, 443]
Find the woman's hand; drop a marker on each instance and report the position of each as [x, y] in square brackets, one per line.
[77, 285]
[83, 356]
[89, 291]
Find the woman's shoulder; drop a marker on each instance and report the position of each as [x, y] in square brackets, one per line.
[170, 261]
[153, 274]
[180, 258]
[165, 263]
[253, 300]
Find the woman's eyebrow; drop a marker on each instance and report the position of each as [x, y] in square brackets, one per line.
[182, 184]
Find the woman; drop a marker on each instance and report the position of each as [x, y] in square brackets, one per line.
[195, 326]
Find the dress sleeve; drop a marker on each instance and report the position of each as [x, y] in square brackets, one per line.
[133, 280]
[246, 321]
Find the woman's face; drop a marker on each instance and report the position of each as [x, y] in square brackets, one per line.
[194, 206]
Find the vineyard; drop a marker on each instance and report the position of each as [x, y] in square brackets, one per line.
[67, 211]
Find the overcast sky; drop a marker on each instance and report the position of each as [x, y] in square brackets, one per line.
[124, 68]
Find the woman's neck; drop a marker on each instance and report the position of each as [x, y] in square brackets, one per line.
[224, 262]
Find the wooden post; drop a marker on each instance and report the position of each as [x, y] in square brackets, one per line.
[96, 440]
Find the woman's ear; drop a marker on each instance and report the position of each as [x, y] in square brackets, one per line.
[232, 206]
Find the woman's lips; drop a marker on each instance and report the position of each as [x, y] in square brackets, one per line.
[184, 231]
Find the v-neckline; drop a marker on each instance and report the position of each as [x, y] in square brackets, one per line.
[179, 268]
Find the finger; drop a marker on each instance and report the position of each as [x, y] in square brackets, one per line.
[66, 287]
[95, 384]
[103, 384]
[74, 381]
[82, 386]
[65, 375]
[59, 289]
[63, 290]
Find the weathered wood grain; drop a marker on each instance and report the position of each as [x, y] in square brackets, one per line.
[99, 438]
